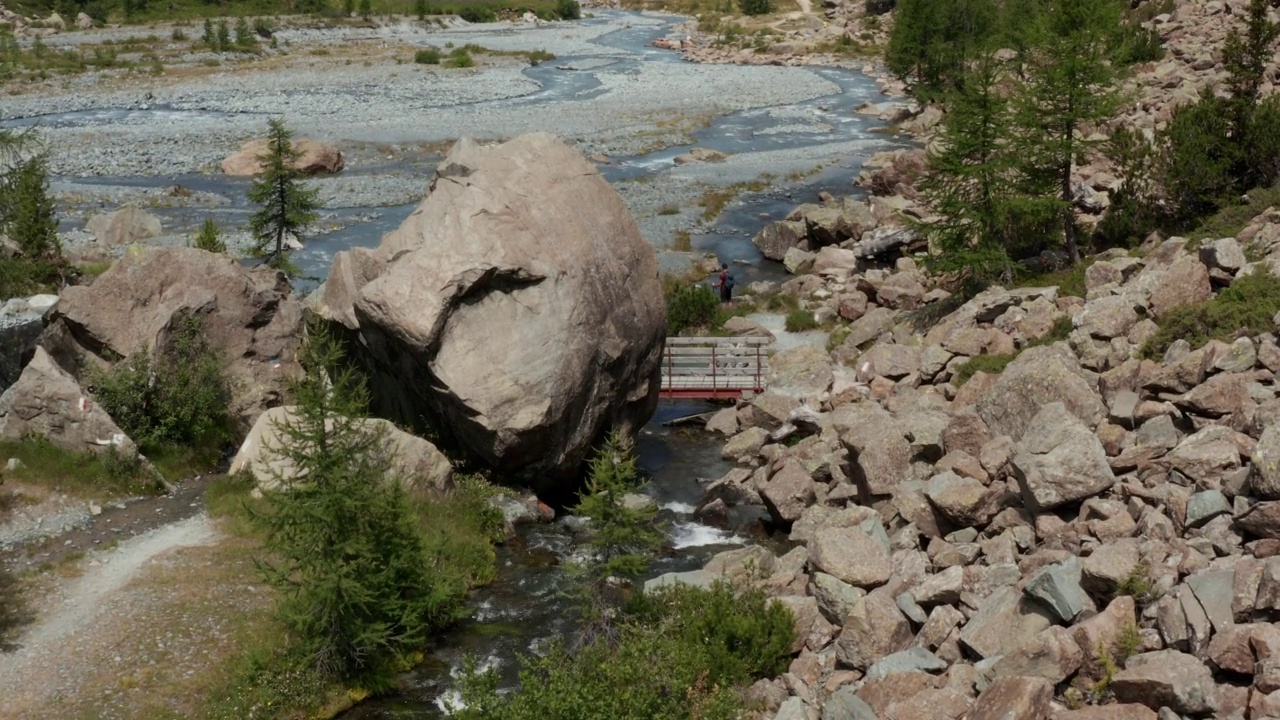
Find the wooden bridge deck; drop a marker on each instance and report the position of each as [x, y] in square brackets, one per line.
[714, 368]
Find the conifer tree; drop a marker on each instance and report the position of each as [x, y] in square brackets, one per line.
[968, 182]
[208, 238]
[622, 537]
[29, 218]
[286, 204]
[343, 544]
[209, 37]
[1068, 89]
[1246, 58]
[932, 41]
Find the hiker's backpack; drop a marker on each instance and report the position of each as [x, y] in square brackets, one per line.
[728, 281]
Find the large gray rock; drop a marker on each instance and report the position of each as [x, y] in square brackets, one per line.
[1167, 678]
[1004, 622]
[22, 320]
[517, 312]
[47, 402]
[776, 238]
[125, 226]
[1014, 698]
[1039, 376]
[851, 555]
[249, 316]
[1058, 587]
[879, 452]
[874, 628]
[962, 500]
[414, 461]
[1059, 461]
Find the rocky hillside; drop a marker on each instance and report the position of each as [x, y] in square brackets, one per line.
[1081, 533]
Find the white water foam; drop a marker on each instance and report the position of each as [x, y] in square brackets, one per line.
[687, 535]
[678, 508]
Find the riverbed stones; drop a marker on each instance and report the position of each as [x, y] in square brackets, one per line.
[315, 157]
[248, 315]
[505, 317]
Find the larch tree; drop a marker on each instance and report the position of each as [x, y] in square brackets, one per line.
[286, 205]
[1068, 90]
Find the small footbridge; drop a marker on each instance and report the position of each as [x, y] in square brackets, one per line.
[714, 368]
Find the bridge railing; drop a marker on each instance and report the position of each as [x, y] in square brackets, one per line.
[714, 367]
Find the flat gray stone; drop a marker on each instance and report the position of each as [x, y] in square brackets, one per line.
[913, 659]
[1058, 587]
[1215, 591]
[1205, 506]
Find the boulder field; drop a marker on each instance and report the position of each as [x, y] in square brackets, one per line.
[1091, 530]
[517, 312]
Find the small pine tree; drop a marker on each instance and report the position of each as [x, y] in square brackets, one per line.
[244, 36]
[209, 37]
[420, 9]
[621, 537]
[28, 212]
[286, 204]
[366, 9]
[342, 543]
[348, 7]
[1246, 57]
[224, 37]
[208, 239]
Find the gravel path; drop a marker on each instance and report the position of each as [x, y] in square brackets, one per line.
[79, 619]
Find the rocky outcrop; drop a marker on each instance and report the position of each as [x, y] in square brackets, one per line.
[249, 316]
[47, 402]
[22, 321]
[315, 158]
[414, 461]
[128, 225]
[518, 310]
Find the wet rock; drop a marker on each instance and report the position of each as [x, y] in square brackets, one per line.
[1059, 460]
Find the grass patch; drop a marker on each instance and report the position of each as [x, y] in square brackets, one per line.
[108, 473]
[683, 242]
[1246, 307]
[1229, 221]
[669, 210]
[460, 58]
[714, 201]
[800, 320]
[429, 56]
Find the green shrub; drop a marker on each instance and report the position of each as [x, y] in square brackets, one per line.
[1246, 307]
[746, 636]
[180, 398]
[568, 9]
[460, 58]
[421, 9]
[755, 7]
[689, 305]
[800, 320]
[1198, 158]
[208, 238]
[685, 653]
[429, 56]
[1138, 45]
[477, 14]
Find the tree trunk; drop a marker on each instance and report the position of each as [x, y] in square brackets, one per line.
[1068, 215]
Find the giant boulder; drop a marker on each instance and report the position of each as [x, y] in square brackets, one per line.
[314, 158]
[517, 312]
[1039, 376]
[248, 316]
[129, 224]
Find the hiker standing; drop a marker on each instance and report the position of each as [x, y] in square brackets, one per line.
[725, 283]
